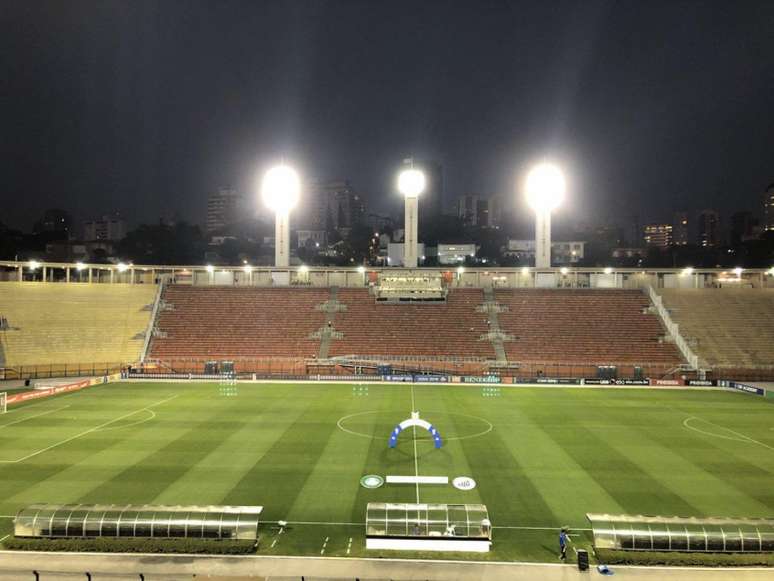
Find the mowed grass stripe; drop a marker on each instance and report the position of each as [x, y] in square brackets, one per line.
[336, 475]
[58, 475]
[394, 406]
[264, 414]
[279, 475]
[565, 487]
[167, 454]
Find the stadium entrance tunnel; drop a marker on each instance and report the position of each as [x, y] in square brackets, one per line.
[415, 420]
[682, 534]
[59, 521]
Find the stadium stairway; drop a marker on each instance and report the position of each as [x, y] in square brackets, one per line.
[730, 328]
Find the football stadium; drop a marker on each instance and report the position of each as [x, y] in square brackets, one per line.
[370, 423]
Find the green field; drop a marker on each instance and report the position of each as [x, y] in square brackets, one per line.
[541, 457]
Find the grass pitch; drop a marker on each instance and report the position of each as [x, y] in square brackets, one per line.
[541, 457]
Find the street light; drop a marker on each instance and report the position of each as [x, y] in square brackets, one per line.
[545, 189]
[411, 183]
[280, 190]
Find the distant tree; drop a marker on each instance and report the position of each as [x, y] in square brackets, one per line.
[181, 243]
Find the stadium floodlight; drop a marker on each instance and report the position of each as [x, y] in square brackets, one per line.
[122, 267]
[564, 270]
[34, 265]
[411, 183]
[303, 269]
[210, 268]
[608, 270]
[79, 266]
[738, 271]
[688, 270]
[545, 189]
[281, 190]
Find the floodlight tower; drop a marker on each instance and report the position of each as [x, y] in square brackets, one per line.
[280, 191]
[411, 183]
[545, 192]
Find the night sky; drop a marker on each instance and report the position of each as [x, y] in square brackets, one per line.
[144, 107]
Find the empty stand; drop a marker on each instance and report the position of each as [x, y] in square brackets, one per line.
[725, 327]
[452, 327]
[233, 322]
[582, 326]
[74, 323]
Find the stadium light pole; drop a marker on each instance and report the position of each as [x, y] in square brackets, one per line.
[280, 190]
[545, 192]
[411, 183]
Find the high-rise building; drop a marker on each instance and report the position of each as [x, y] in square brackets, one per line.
[709, 228]
[475, 210]
[768, 208]
[107, 229]
[680, 231]
[744, 227]
[334, 205]
[658, 235]
[223, 208]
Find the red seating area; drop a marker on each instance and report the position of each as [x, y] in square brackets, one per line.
[227, 323]
[583, 326]
[427, 329]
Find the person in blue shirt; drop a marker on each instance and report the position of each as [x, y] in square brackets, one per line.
[564, 538]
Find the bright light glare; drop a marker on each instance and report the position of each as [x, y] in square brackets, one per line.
[564, 270]
[303, 269]
[210, 268]
[460, 269]
[122, 267]
[524, 270]
[34, 264]
[248, 268]
[545, 187]
[79, 266]
[281, 188]
[738, 271]
[411, 182]
[361, 269]
[688, 270]
[608, 270]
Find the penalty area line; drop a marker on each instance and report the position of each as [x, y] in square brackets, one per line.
[362, 524]
[20, 420]
[86, 432]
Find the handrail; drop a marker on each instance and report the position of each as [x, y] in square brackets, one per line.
[152, 322]
[673, 329]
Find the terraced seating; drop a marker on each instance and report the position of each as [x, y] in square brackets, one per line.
[232, 323]
[446, 328]
[725, 327]
[74, 323]
[582, 326]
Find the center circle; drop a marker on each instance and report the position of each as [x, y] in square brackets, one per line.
[433, 417]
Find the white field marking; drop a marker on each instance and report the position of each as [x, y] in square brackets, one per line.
[325, 544]
[137, 423]
[362, 524]
[416, 464]
[274, 542]
[739, 437]
[349, 545]
[416, 479]
[342, 420]
[33, 416]
[89, 431]
[5, 537]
